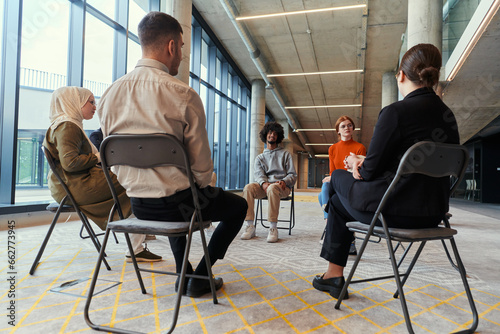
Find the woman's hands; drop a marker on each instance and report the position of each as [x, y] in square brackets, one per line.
[327, 179]
[354, 162]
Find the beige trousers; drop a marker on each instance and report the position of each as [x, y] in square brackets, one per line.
[274, 193]
[136, 240]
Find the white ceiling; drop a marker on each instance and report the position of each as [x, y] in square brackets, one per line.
[363, 38]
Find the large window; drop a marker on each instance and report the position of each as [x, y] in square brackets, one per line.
[98, 55]
[226, 97]
[2, 5]
[65, 42]
[137, 10]
[44, 51]
[107, 7]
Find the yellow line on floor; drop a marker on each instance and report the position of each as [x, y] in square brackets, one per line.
[118, 293]
[300, 198]
[18, 325]
[155, 299]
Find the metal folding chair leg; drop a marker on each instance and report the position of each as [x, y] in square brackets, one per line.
[45, 240]
[400, 279]
[85, 224]
[100, 259]
[183, 274]
[290, 221]
[95, 235]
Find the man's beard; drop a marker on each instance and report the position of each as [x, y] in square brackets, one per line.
[271, 142]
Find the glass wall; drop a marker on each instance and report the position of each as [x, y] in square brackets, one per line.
[64, 43]
[456, 17]
[43, 68]
[2, 5]
[226, 97]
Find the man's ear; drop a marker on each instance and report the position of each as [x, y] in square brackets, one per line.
[171, 47]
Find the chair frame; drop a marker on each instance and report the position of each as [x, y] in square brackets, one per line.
[435, 160]
[68, 204]
[142, 151]
[290, 221]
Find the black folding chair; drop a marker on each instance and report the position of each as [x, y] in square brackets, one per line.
[68, 204]
[290, 221]
[149, 151]
[432, 159]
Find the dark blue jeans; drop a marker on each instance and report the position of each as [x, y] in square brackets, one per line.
[216, 205]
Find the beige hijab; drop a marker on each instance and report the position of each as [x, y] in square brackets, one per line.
[66, 106]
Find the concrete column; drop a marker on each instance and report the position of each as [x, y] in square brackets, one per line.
[389, 89]
[425, 22]
[287, 144]
[258, 118]
[302, 171]
[182, 11]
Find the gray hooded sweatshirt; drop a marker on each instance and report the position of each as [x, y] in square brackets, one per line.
[275, 165]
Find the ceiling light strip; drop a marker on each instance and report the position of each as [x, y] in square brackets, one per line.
[325, 106]
[307, 11]
[321, 156]
[312, 73]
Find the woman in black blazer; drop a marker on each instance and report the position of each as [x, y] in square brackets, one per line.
[419, 201]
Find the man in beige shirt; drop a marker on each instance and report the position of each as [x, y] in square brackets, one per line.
[150, 100]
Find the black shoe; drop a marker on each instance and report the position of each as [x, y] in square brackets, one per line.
[352, 249]
[177, 282]
[332, 285]
[197, 287]
[144, 256]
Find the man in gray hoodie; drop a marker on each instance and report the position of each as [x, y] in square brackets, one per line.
[274, 175]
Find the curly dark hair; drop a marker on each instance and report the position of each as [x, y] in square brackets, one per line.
[272, 126]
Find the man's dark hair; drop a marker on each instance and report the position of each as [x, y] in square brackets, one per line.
[156, 28]
[272, 126]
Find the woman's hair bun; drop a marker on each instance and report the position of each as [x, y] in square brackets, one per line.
[429, 76]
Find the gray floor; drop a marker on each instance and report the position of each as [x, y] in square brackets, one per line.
[267, 286]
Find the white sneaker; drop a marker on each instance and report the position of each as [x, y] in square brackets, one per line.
[249, 233]
[273, 235]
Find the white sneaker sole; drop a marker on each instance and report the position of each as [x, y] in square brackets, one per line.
[245, 237]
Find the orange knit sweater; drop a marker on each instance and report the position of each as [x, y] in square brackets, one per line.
[338, 151]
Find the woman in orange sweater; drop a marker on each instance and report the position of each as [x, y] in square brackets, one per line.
[337, 153]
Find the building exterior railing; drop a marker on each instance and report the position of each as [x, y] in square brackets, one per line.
[51, 81]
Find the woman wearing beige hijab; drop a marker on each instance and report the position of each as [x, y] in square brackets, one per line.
[76, 161]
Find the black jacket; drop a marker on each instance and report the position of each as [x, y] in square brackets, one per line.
[421, 115]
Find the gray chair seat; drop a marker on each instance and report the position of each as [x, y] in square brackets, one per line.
[54, 206]
[154, 227]
[405, 235]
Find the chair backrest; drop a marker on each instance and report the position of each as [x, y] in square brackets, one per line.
[432, 159]
[52, 164]
[145, 151]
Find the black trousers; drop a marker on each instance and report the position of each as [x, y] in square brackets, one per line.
[338, 238]
[216, 205]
